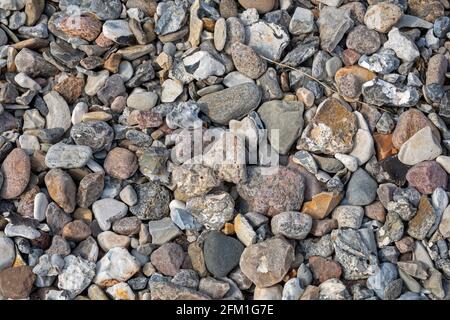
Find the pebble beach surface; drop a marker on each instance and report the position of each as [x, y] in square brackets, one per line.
[116, 115]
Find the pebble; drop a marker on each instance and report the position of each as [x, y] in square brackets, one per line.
[361, 189]
[163, 231]
[427, 176]
[106, 211]
[8, 253]
[292, 225]
[230, 103]
[247, 61]
[212, 210]
[422, 146]
[16, 282]
[329, 134]
[61, 189]
[404, 47]
[117, 265]
[267, 262]
[168, 258]
[142, 100]
[221, 253]
[286, 119]
[15, 171]
[107, 194]
[120, 163]
[67, 156]
[273, 193]
[382, 16]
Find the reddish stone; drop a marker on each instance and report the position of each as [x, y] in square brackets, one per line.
[168, 258]
[84, 27]
[272, 192]
[324, 269]
[350, 57]
[149, 119]
[375, 211]
[323, 227]
[70, 88]
[427, 176]
[409, 123]
[121, 163]
[16, 174]
[406, 244]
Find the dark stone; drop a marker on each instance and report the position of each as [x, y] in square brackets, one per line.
[222, 253]
[395, 169]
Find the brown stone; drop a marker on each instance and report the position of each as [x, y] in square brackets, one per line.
[331, 131]
[61, 189]
[103, 41]
[409, 123]
[127, 226]
[311, 293]
[76, 231]
[197, 258]
[70, 88]
[429, 10]
[271, 194]
[324, 269]
[16, 282]
[422, 222]
[375, 211]
[26, 204]
[384, 146]
[228, 8]
[266, 263]
[16, 174]
[406, 244]
[121, 163]
[350, 57]
[148, 119]
[90, 189]
[323, 227]
[168, 258]
[112, 63]
[83, 214]
[86, 27]
[322, 204]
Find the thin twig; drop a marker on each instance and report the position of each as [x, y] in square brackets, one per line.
[318, 81]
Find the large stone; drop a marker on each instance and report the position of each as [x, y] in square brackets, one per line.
[333, 24]
[58, 111]
[7, 253]
[427, 176]
[168, 258]
[33, 64]
[222, 253]
[61, 189]
[382, 16]
[331, 131]
[106, 211]
[266, 263]
[422, 146]
[273, 191]
[67, 156]
[212, 210]
[15, 171]
[424, 219]
[16, 282]
[231, 103]
[117, 265]
[284, 122]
